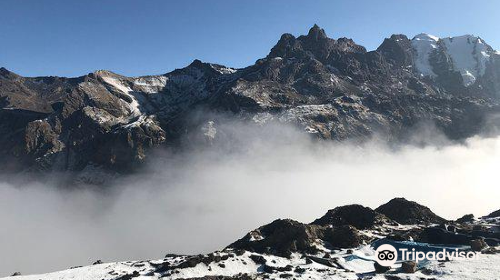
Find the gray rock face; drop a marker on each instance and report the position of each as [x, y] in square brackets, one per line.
[333, 89]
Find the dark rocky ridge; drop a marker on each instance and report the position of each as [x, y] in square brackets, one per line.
[333, 89]
[345, 227]
[494, 214]
[284, 237]
[293, 250]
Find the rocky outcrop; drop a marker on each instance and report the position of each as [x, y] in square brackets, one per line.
[284, 237]
[281, 237]
[466, 219]
[494, 214]
[409, 212]
[354, 215]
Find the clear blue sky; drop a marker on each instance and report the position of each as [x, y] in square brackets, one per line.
[71, 38]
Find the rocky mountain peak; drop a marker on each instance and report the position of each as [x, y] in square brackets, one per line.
[425, 37]
[316, 33]
[397, 49]
[467, 55]
[196, 63]
[3, 70]
[287, 44]
[103, 73]
[7, 74]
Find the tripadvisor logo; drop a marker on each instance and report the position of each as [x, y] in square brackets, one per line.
[387, 255]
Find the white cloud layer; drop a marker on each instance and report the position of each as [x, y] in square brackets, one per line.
[205, 198]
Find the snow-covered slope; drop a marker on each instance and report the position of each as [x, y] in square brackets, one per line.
[328, 248]
[467, 54]
[245, 266]
[424, 45]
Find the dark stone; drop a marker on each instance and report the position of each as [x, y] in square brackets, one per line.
[466, 219]
[299, 270]
[129, 276]
[409, 267]
[478, 245]
[381, 269]
[258, 259]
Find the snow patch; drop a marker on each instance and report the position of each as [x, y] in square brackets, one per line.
[152, 84]
[117, 84]
[226, 70]
[424, 45]
[469, 55]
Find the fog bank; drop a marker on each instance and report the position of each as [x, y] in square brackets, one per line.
[205, 198]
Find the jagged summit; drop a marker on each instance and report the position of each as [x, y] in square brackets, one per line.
[7, 74]
[317, 33]
[426, 37]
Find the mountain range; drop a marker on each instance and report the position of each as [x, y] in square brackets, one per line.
[330, 89]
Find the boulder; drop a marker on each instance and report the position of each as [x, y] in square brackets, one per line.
[478, 245]
[380, 268]
[409, 267]
[466, 219]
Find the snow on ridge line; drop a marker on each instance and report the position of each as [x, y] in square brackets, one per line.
[469, 55]
[424, 45]
[134, 105]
